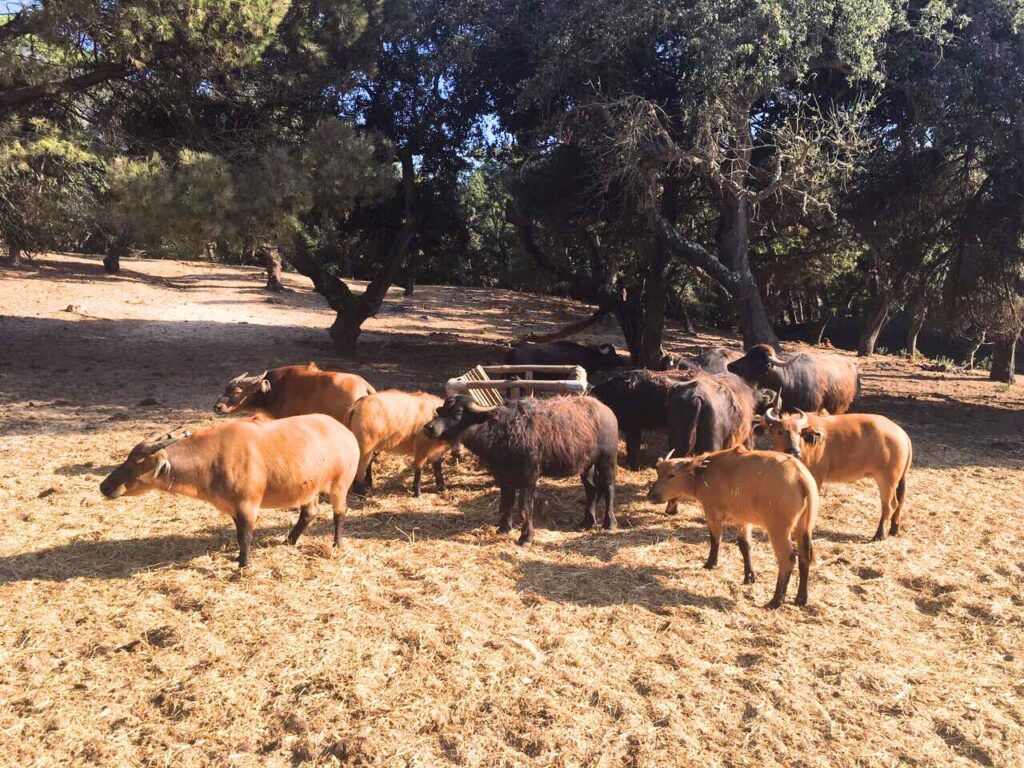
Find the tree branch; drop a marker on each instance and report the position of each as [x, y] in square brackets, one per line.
[16, 97]
[696, 254]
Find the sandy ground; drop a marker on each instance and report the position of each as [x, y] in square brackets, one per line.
[128, 637]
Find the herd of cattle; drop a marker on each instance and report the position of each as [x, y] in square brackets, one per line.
[310, 432]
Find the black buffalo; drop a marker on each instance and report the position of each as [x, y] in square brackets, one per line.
[590, 357]
[639, 399]
[806, 381]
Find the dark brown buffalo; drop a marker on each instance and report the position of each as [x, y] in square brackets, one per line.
[639, 400]
[523, 440]
[806, 381]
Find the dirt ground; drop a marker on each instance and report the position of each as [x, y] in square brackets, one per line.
[129, 637]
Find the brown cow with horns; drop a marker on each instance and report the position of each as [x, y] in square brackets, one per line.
[846, 448]
[245, 465]
[294, 390]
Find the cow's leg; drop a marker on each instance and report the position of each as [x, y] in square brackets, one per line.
[306, 513]
[245, 524]
[744, 543]
[633, 442]
[887, 495]
[439, 475]
[786, 557]
[417, 480]
[364, 475]
[715, 528]
[508, 500]
[606, 488]
[804, 556]
[526, 496]
[339, 504]
[590, 489]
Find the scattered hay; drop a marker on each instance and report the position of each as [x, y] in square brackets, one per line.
[129, 637]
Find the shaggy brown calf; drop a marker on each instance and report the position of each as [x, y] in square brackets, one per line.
[294, 390]
[806, 381]
[844, 449]
[247, 465]
[746, 488]
[392, 422]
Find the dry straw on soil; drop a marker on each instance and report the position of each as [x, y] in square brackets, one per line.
[128, 637]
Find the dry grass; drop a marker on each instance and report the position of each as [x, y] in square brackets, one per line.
[128, 637]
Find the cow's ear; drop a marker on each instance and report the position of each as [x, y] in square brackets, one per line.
[813, 435]
[264, 386]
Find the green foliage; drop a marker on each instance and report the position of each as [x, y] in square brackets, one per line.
[48, 184]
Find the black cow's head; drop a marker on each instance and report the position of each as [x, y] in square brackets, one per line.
[755, 365]
[457, 414]
[607, 357]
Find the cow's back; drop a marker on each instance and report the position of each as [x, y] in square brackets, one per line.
[309, 390]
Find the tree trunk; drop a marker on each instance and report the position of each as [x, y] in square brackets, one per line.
[916, 324]
[14, 252]
[734, 253]
[875, 323]
[353, 309]
[819, 331]
[272, 261]
[1004, 348]
[347, 326]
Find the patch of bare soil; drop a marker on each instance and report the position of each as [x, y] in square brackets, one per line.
[128, 637]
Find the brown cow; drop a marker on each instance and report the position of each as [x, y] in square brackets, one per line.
[294, 390]
[392, 422]
[746, 488]
[843, 449]
[245, 465]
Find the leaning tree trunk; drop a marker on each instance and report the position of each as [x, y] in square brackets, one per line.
[1004, 348]
[916, 324]
[655, 295]
[272, 261]
[875, 323]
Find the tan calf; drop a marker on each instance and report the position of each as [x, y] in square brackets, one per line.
[746, 488]
[392, 422]
[849, 447]
[245, 465]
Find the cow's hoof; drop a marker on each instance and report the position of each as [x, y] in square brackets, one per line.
[504, 528]
[774, 605]
[524, 541]
[750, 579]
[801, 601]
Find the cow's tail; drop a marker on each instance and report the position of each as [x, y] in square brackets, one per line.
[352, 408]
[691, 439]
[901, 487]
[808, 519]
